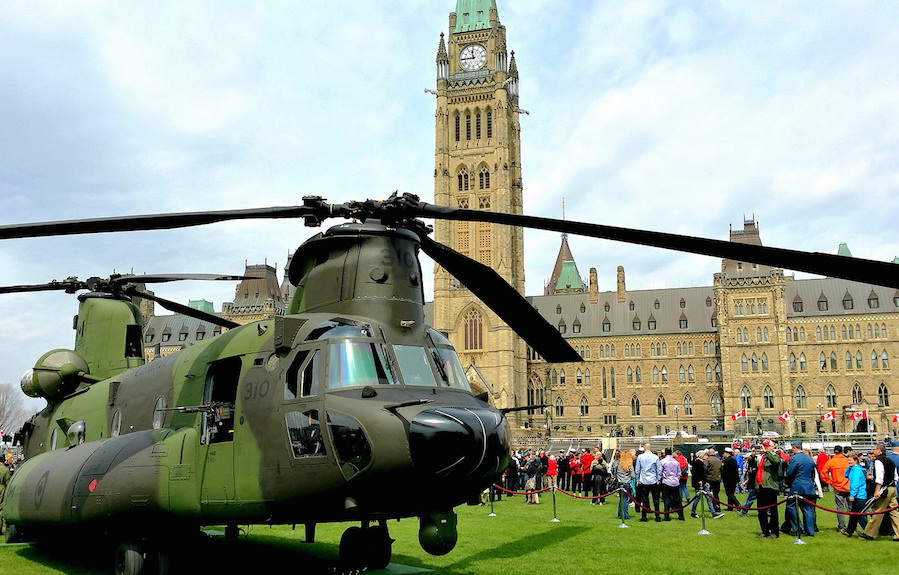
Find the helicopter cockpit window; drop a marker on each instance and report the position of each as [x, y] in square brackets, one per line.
[449, 368]
[355, 363]
[414, 366]
[339, 329]
[302, 376]
[305, 434]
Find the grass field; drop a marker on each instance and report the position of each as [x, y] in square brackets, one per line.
[520, 539]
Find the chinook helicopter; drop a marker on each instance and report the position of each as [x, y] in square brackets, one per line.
[346, 409]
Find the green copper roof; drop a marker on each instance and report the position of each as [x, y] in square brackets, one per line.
[201, 305]
[843, 250]
[569, 279]
[473, 14]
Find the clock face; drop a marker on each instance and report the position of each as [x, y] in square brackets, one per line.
[473, 57]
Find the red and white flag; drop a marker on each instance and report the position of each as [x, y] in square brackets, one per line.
[832, 414]
[784, 416]
[856, 415]
[896, 418]
[739, 415]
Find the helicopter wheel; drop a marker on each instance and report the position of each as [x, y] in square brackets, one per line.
[379, 547]
[352, 548]
[136, 559]
[369, 547]
[13, 535]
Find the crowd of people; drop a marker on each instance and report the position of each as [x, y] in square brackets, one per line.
[864, 485]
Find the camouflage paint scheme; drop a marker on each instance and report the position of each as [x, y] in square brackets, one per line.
[223, 433]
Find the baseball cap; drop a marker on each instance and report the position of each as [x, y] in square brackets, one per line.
[766, 443]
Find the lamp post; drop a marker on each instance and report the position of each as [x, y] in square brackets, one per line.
[580, 414]
[821, 421]
[677, 420]
[548, 424]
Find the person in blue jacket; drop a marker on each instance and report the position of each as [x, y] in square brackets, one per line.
[800, 477]
[858, 495]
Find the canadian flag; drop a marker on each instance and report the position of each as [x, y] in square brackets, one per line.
[832, 414]
[739, 415]
[856, 415]
[785, 416]
[896, 418]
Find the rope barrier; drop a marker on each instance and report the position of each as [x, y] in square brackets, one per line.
[648, 510]
[741, 508]
[881, 512]
[689, 501]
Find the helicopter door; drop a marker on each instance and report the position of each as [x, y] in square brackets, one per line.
[220, 395]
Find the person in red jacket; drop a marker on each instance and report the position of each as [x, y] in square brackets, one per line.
[552, 471]
[833, 472]
[820, 460]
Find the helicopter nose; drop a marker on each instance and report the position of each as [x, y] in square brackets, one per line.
[459, 442]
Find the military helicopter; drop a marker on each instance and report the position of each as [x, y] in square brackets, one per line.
[347, 408]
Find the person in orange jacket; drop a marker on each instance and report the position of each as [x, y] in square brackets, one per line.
[833, 472]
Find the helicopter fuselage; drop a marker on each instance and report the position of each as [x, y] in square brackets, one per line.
[338, 424]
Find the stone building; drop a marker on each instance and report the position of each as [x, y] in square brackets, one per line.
[692, 358]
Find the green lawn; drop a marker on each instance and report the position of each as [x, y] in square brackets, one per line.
[521, 539]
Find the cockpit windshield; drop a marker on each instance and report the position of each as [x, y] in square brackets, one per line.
[414, 366]
[359, 363]
[448, 365]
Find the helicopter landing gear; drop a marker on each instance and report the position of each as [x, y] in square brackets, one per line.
[366, 547]
[140, 559]
[232, 532]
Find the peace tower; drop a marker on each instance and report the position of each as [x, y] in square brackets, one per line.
[477, 165]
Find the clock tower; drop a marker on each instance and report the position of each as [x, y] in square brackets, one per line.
[477, 165]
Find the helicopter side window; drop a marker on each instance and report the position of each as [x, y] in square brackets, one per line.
[414, 366]
[305, 434]
[132, 341]
[302, 376]
[353, 448]
[359, 363]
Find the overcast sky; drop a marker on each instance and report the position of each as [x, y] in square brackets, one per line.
[674, 116]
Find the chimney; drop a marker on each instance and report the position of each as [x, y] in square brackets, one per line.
[594, 286]
[621, 290]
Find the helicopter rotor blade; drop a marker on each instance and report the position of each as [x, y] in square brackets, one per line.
[147, 222]
[828, 265]
[70, 285]
[503, 300]
[399, 210]
[165, 278]
[181, 308]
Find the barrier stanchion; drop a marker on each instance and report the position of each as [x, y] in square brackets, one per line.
[799, 540]
[702, 502]
[492, 493]
[555, 518]
[622, 508]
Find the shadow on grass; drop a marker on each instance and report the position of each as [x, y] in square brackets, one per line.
[512, 550]
[259, 555]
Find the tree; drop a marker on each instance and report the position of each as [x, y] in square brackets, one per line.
[13, 412]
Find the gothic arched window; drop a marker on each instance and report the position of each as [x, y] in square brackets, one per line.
[473, 330]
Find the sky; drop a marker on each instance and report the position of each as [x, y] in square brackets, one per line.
[682, 117]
